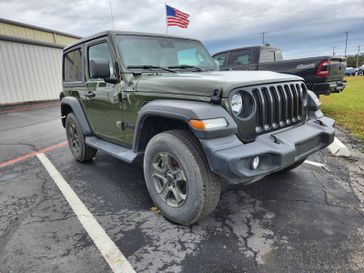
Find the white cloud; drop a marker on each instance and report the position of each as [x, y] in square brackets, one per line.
[222, 24]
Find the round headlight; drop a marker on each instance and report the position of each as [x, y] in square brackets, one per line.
[236, 103]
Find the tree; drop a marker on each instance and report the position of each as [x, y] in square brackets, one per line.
[351, 60]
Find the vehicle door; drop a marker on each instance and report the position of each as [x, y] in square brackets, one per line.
[103, 100]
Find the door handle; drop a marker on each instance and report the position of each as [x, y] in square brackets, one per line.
[90, 94]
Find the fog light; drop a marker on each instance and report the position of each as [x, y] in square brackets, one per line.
[255, 162]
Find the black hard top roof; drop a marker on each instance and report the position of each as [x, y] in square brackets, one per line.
[115, 32]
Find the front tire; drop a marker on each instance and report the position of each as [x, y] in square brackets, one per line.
[178, 177]
[76, 140]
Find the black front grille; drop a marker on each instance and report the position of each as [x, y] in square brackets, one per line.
[279, 105]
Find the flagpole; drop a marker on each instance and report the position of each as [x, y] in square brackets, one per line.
[165, 4]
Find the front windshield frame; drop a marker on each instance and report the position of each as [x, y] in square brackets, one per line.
[212, 66]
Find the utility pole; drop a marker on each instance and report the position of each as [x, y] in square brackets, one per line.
[346, 41]
[357, 57]
[263, 35]
[333, 51]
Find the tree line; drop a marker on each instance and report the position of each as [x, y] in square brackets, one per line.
[351, 60]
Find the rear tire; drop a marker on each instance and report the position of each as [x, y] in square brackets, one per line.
[174, 164]
[76, 140]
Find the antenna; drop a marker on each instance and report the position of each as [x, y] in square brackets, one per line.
[112, 16]
[263, 36]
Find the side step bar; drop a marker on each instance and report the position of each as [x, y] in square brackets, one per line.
[112, 149]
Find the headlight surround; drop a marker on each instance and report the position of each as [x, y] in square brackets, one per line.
[242, 104]
[236, 103]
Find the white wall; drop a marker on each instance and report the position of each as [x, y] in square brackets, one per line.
[29, 72]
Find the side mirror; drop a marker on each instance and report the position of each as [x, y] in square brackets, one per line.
[99, 69]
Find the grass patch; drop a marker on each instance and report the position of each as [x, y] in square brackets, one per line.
[347, 108]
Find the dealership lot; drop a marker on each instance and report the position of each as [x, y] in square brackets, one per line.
[309, 220]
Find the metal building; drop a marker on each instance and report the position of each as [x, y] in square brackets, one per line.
[30, 62]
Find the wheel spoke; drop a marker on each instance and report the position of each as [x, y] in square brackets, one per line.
[179, 175]
[160, 177]
[158, 170]
[70, 131]
[170, 180]
[178, 195]
[165, 191]
[166, 159]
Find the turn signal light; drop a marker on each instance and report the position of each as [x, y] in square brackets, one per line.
[208, 123]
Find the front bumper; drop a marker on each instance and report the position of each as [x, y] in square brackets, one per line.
[232, 159]
[327, 88]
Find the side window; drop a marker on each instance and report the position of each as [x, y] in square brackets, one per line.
[100, 51]
[267, 55]
[221, 58]
[240, 57]
[72, 66]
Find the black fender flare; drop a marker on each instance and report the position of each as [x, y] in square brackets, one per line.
[184, 110]
[78, 112]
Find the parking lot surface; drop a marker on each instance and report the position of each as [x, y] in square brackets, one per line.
[308, 220]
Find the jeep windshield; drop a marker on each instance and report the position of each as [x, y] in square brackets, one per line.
[163, 54]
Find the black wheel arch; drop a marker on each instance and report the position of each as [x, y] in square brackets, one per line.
[162, 115]
[72, 105]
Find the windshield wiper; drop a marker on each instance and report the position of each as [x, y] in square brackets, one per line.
[150, 67]
[185, 66]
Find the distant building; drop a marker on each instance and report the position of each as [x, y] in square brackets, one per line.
[30, 62]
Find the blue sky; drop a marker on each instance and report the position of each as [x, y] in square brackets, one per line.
[300, 28]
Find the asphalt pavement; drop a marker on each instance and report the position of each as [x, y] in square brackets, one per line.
[307, 220]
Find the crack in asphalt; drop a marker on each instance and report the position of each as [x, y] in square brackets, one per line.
[32, 146]
[250, 234]
[323, 188]
[224, 222]
[311, 202]
[49, 220]
[31, 124]
[12, 227]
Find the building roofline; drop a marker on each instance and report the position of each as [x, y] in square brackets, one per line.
[28, 41]
[10, 22]
[115, 32]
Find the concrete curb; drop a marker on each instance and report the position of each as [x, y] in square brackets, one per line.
[337, 148]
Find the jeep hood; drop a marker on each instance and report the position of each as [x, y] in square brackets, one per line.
[203, 83]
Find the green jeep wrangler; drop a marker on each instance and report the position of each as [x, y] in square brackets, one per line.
[162, 100]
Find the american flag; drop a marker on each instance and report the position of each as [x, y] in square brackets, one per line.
[176, 17]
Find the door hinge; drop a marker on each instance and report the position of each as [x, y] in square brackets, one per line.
[120, 124]
[216, 96]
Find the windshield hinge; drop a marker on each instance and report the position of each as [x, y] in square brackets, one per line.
[216, 96]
